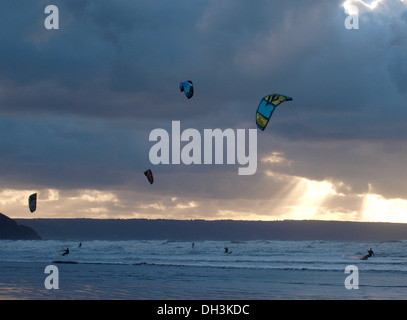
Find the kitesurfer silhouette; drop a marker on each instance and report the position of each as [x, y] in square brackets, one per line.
[369, 254]
[66, 252]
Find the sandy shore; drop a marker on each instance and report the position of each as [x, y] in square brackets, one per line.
[134, 282]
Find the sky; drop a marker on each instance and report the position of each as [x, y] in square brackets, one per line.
[78, 104]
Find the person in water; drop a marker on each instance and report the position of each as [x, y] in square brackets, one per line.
[369, 254]
[66, 252]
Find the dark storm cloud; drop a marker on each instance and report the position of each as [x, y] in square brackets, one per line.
[77, 104]
[115, 55]
[124, 58]
[119, 59]
[69, 152]
[398, 57]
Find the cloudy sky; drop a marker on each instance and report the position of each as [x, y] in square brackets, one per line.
[78, 103]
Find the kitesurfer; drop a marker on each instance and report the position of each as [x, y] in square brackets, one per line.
[66, 252]
[369, 254]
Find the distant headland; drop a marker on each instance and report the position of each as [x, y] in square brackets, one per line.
[11, 230]
[195, 230]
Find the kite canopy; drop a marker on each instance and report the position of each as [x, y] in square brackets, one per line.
[188, 88]
[266, 108]
[32, 202]
[149, 176]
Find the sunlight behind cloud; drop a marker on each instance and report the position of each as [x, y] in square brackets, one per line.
[95, 196]
[299, 198]
[308, 197]
[349, 5]
[354, 7]
[376, 208]
[52, 203]
[9, 196]
[191, 204]
[19, 198]
[275, 157]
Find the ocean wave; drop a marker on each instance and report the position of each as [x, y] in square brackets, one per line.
[311, 267]
[260, 255]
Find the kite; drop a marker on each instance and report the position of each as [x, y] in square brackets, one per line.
[266, 108]
[188, 88]
[149, 176]
[32, 202]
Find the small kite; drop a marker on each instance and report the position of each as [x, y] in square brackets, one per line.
[149, 176]
[32, 202]
[188, 88]
[266, 108]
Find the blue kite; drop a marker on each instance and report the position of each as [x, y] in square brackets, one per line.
[266, 108]
[188, 88]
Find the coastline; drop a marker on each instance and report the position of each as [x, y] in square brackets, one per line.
[195, 230]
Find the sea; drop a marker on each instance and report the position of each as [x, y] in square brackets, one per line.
[202, 270]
